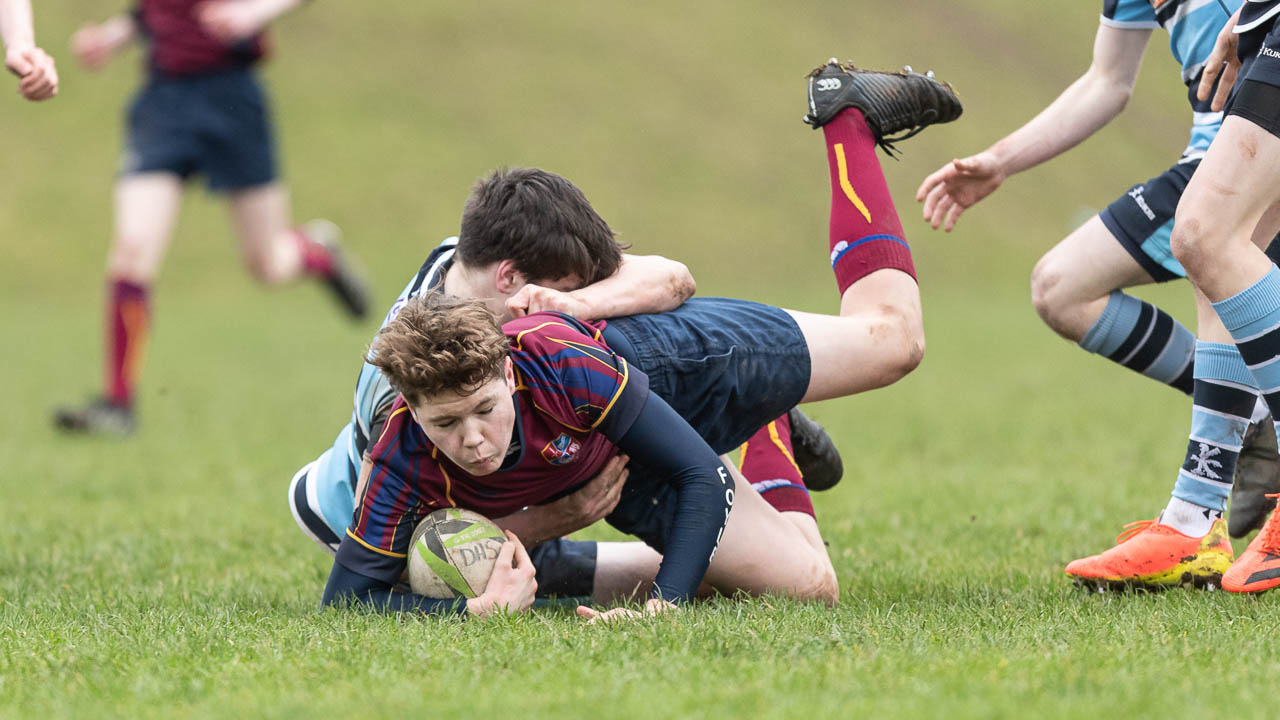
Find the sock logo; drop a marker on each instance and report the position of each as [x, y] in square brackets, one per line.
[1204, 466]
[843, 167]
[826, 84]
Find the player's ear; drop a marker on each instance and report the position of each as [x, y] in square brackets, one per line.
[507, 279]
[510, 373]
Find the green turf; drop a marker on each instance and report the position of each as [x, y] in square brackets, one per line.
[164, 577]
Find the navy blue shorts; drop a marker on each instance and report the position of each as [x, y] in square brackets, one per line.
[1142, 220]
[1259, 53]
[215, 125]
[727, 366]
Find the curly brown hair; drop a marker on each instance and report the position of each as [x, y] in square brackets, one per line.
[438, 344]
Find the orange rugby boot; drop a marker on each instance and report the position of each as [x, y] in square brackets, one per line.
[1258, 568]
[1152, 556]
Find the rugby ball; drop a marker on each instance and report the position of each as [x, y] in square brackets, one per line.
[452, 554]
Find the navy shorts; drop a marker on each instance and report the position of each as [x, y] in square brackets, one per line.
[1142, 220]
[727, 366]
[1259, 53]
[215, 125]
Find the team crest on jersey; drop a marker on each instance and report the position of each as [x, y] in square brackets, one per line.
[562, 450]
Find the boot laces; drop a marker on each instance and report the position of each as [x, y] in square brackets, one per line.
[1135, 528]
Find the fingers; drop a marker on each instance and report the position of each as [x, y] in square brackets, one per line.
[941, 204]
[935, 179]
[588, 613]
[506, 554]
[521, 555]
[953, 215]
[1212, 68]
[1225, 85]
[518, 304]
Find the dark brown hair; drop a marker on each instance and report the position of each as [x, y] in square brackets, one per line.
[540, 221]
[436, 344]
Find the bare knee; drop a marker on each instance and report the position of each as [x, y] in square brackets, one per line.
[1046, 294]
[821, 585]
[1190, 241]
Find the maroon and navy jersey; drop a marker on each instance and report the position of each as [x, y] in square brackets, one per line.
[180, 46]
[574, 399]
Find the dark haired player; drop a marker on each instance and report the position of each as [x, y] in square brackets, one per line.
[201, 112]
[476, 438]
[37, 76]
[560, 256]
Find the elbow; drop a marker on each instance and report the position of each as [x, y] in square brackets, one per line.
[682, 285]
[902, 334]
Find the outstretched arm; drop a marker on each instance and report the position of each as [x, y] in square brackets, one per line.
[95, 45]
[663, 442]
[1081, 110]
[234, 20]
[643, 284]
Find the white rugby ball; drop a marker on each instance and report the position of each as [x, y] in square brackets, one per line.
[452, 554]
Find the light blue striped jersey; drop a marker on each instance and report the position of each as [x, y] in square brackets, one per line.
[1193, 27]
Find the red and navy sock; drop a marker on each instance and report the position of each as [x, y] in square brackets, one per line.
[768, 464]
[866, 234]
[128, 324]
[317, 258]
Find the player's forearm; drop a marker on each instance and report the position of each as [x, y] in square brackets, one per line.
[537, 524]
[664, 443]
[15, 24]
[1081, 110]
[270, 10]
[347, 587]
[120, 30]
[644, 284]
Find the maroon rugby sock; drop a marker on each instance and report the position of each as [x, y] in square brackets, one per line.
[866, 234]
[128, 321]
[768, 464]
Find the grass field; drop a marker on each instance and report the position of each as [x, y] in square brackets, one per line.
[162, 576]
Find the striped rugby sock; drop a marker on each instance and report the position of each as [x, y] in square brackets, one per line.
[128, 321]
[1253, 319]
[1224, 399]
[1145, 339]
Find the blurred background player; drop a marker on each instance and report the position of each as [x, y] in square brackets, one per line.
[37, 76]
[1077, 286]
[200, 112]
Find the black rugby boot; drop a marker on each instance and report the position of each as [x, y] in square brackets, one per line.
[815, 453]
[892, 102]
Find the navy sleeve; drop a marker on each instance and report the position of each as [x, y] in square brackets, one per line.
[348, 586]
[661, 440]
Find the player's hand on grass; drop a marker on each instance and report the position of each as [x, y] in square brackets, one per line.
[536, 298]
[651, 607]
[38, 76]
[512, 585]
[958, 186]
[1223, 62]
